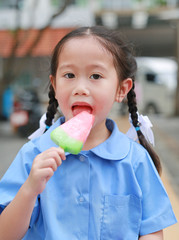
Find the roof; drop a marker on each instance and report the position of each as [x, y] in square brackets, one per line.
[47, 42]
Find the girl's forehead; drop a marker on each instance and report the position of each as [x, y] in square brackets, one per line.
[85, 44]
[85, 52]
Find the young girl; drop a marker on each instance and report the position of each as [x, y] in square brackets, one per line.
[111, 190]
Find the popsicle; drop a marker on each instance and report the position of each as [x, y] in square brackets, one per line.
[72, 134]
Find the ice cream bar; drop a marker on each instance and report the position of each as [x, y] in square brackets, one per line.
[72, 134]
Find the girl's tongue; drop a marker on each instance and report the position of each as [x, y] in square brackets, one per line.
[78, 109]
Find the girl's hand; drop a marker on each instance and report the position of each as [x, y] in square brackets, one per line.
[43, 168]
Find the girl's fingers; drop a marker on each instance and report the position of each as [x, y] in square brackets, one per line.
[56, 153]
[52, 157]
[62, 153]
[46, 173]
[43, 168]
[50, 162]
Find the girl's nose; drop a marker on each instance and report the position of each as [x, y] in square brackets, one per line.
[80, 90]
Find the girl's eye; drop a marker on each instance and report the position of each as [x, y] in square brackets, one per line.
[69, 75]
[95, 76]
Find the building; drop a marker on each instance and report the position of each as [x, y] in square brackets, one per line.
[151, 30]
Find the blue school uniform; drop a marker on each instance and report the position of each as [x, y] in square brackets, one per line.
[112, 191]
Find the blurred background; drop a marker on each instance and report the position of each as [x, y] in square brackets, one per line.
[29, 30]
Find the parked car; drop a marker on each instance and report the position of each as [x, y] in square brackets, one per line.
[156, 83]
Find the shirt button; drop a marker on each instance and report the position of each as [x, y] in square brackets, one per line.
[81, 199]
[82, 158]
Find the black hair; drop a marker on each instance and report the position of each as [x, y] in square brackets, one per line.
[125, 65]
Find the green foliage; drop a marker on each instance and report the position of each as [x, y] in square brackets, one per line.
[55, 3]
[154, 2]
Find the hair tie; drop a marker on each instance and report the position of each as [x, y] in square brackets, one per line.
[144, 125]
[47, 127]
[41, 128]
[137, 129]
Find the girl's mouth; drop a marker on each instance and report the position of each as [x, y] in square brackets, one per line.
[77, 108]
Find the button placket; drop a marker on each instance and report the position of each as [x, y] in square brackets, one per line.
[82, 197]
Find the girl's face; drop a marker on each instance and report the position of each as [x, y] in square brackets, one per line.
[86, 79]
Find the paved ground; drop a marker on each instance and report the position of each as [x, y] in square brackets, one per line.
[9, 146]
[167, 146]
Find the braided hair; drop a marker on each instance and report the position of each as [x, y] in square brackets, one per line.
[125, 65]
[131, 96]
[52, 107]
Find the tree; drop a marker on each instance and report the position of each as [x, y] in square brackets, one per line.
[8, 72]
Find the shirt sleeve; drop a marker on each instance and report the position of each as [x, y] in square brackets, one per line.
[157, 212]
[16, 175]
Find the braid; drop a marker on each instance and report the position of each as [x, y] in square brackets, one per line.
[52, 107]
[132, 104]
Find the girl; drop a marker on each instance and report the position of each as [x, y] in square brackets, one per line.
[111, 190]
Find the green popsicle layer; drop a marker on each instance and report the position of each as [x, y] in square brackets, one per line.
[62, 139]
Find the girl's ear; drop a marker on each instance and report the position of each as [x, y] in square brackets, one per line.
[52, 80]
[123, 89]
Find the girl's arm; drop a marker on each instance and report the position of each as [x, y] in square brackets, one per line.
[153, 236]
[15, 218]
